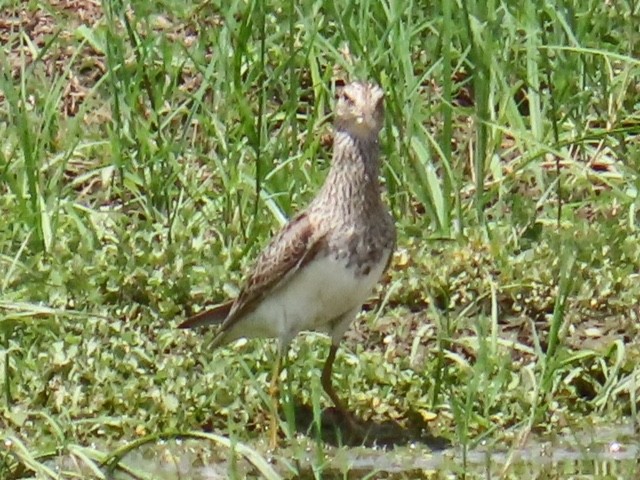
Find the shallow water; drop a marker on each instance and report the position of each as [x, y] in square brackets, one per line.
[609, 453]
[596, 453]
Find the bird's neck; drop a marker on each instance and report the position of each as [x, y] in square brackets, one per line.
[356, 159]
[352, 185]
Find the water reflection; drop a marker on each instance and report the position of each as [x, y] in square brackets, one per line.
[599, 453]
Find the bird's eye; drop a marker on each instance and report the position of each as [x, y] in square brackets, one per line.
[346, 98]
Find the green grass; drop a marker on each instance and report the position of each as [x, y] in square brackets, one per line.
[149, 149]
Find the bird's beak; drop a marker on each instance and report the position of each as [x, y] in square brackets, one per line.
[365, 120]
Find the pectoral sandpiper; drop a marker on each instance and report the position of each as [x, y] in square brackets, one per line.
[316, 273]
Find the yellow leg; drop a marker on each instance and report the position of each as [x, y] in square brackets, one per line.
[273, 394]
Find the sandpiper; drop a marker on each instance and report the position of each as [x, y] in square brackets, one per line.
[316, 273]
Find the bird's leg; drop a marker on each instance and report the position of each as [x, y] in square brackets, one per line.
[273, 395]
[327, 385]
[274, 390]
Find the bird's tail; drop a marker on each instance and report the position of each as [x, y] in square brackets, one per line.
[212, 316]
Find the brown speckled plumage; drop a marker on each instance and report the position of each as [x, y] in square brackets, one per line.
[346, 234]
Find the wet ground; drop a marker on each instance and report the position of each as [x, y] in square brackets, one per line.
[595, 453]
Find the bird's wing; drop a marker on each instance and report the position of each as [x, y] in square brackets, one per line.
[212, 316]
[390, 259]
[293, 247]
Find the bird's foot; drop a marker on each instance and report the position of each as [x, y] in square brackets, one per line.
[344, 421]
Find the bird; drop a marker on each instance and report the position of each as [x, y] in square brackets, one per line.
[319, 269]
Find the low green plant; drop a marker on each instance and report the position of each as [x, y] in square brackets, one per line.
[150, 149]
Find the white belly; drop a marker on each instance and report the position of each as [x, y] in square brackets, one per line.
[317, 295]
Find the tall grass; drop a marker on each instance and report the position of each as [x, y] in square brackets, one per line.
[510, 161]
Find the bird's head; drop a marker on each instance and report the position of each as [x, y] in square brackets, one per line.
[360, 109]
